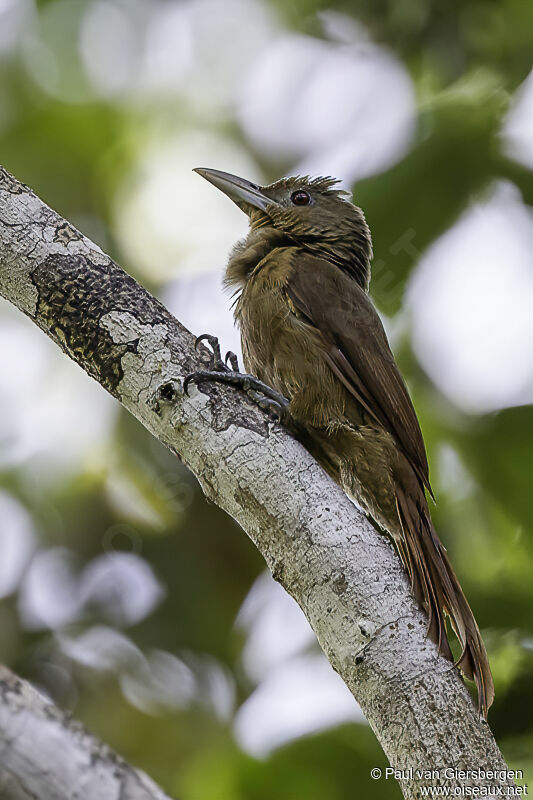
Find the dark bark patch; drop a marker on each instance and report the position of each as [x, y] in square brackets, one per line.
[9, 184]
[133, 346]
[164, 394]
[167, 392]
[74, 294]
[247, 500]
[230, 406]
[66, 233]
[340, 584]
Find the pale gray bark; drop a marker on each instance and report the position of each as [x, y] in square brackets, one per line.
[345, 576]
[44, 755]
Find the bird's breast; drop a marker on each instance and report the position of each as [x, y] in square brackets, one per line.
[283, 350]
[263, 316]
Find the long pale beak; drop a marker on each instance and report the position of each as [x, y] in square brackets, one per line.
[242, 192]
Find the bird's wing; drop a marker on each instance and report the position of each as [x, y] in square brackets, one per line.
[357, 350]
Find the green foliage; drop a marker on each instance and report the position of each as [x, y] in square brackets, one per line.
[449, 164]
[324, 765]
[504, 439]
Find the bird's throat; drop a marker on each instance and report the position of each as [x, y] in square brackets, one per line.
[249, 252]
[351, 256]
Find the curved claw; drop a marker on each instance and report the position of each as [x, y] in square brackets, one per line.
[233, 360]
[216, 358]
[280, 411]
[207, 337]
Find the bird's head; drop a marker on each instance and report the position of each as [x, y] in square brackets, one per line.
[308, 212]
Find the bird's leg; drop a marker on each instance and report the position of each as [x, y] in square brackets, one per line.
[264, 396]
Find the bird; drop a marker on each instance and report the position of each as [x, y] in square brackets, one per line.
[315, 351]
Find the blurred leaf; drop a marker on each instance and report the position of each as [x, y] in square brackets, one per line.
[447, 37]
[327, 765]
[498, 450]
[411, 204]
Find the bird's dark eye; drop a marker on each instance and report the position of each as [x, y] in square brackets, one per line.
[300, 197]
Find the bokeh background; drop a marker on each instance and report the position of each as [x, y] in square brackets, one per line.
[130, 600]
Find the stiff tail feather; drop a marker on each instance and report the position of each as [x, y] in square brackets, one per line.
[437, 589]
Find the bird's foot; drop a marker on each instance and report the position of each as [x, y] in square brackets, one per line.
[267, 398]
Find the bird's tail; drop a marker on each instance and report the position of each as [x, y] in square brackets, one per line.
[437, 588]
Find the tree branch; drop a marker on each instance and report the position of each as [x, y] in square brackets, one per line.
[44, 754]
[345, 576]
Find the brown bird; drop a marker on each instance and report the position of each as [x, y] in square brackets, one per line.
[312, 337]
